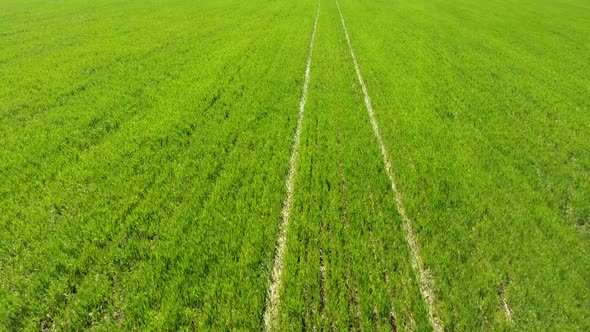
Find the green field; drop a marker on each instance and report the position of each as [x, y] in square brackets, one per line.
[168, 165]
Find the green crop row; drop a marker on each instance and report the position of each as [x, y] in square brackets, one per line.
[484, 107]
[347, 264]
[144, 147]
[144, 151]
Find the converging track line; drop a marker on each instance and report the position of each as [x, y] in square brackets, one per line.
[272, 300]
[424, 279]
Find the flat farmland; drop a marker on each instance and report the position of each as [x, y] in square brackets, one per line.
[292, 165]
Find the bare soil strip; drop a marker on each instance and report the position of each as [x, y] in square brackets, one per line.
[507, 310]
[424, 279]
[504, 303]
[354, 304]
[272, 300]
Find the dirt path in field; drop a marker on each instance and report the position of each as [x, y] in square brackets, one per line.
[425, 280]
[504, 303]
[272, 302]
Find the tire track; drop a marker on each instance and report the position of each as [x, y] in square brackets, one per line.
[504, 302]
[272, 300]
[425, 281]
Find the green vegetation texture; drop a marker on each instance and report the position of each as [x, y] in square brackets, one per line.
[144, 147]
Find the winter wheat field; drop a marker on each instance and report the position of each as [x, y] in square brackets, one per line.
[287, 165]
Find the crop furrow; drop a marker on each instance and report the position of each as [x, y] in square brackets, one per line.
[425, 281]
[271, 311]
